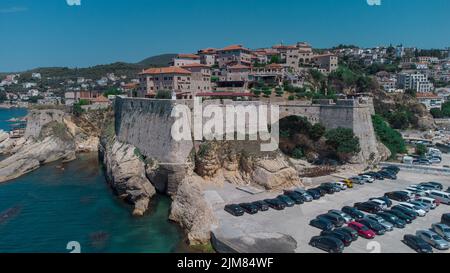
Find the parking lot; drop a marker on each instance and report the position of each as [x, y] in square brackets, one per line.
[294, 221]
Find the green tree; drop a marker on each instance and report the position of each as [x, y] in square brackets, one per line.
[163, 95]
[388, 136]
[344, 141]
[437, 113]
[112, 92]
[317, 131]
[421, 149]
[297, 153]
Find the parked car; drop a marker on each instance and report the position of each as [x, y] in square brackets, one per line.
[369, 207]
[448, 189]
[435, 160]
[397, 196]
[353, 212]
[401, 215]
[348, 183]
[415, 208]
[275, 204]
[375, 226]
[328, 244]
[306, 196]
[322, 191]
[436, 185]
[387, 225]
[388, 175]
[344, 215]
[234, 210]
[286, 200]
[368, 178]
[446, 219]
[422, 161]
[341, 185]
[442, 230]
[442, 197]
[322, 224]
[392, 169]
[249, 208]
[429, 201]
[411, 213]
[261, 205]
[380, 203]
[416, 193]
[433, 239]
[337, 220]
[386, 200]
[315, 194]
[296, 197]
[362, 230]
[328, 188]
[398, 223]
[421, 205]
[353, 233]
[375, 175]
[357, 180]
[343, 236]
[417, 243]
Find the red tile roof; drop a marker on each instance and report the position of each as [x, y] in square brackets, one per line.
[238, 66]
[208, 51]
[188, 56]
[166, 70]
[224, 94]
[196, 65]
[234, 47]
[426, 96]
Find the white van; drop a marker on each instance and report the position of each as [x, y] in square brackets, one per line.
[429, 201]
[443, 197]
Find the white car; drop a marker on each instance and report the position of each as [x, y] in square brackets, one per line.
[429, 201]
[443, 197]
[368, 178]
[410, 194]
[382, 204]
[417, 192]
[419, 211]
[341, 185]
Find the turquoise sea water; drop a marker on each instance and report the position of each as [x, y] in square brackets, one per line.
[45, 210]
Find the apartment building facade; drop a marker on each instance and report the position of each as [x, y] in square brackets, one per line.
[186, 59]
[232, 55]
[175, 79]
[415, 81]
[326, 62]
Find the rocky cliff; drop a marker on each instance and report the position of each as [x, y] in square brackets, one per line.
[50, 135]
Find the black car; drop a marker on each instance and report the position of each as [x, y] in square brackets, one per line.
[353, 233]
[288, 202]
[375, 175]
[249, 208]
[234, 210]
[296, 197]
[376, 227]
[392, 169]
[275, 204]
[401, 215]
[336, 220]
[385, 200]
[328, 244]
[388, 175]
[398, 196]
[446, 219]
[369, 207]
[332, 186]
[322, 224]
[355, 213]
[417, 243]
[314, 193]
[448, 190]
[406, 211]
[437, 186]
[391, 218]
[327, 188]
[321, 191]
[343, 236]
[261, 205]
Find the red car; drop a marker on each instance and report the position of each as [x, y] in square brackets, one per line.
[362, 230]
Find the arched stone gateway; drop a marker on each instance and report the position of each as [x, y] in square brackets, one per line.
[147, 123]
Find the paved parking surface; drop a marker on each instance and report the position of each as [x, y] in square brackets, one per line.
[295, 221]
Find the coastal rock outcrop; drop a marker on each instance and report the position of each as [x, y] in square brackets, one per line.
[125, 172]
[192, 212]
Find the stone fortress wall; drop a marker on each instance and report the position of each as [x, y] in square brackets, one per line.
[147, 123]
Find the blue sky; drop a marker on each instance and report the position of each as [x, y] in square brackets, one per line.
[52, 33]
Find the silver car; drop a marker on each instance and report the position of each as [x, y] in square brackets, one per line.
[388, 226]
[344, 215]
[433, 239]
[442, 230]
[304, 194]
[421, 205]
